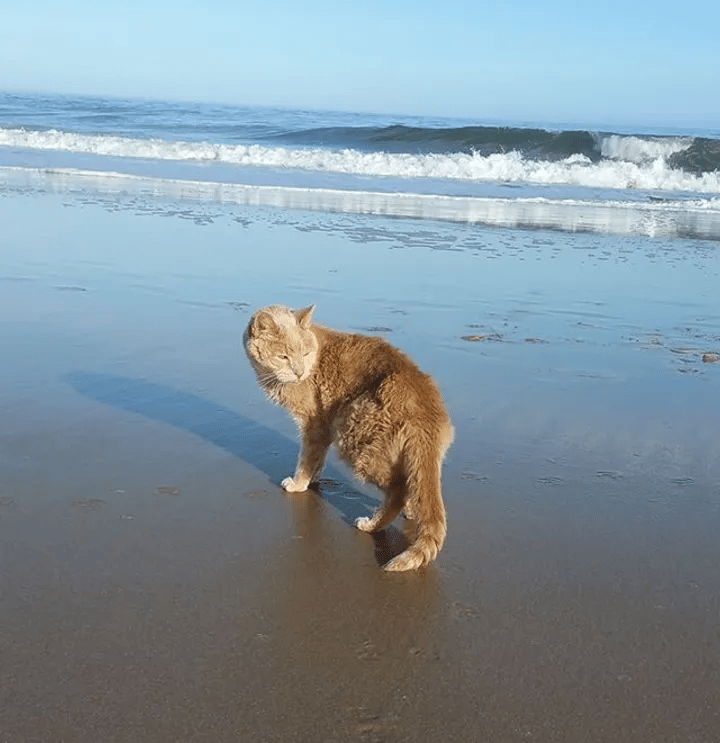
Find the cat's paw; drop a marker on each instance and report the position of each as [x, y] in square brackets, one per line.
[363, 523]
[290, 486]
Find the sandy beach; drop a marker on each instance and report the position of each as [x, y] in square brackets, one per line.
[156, 584]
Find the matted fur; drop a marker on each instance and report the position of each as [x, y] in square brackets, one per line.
[385, 417]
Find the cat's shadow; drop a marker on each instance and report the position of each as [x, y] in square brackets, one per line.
[260, 446]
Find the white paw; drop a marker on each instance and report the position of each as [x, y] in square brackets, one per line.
[363, 523]
[290, 486]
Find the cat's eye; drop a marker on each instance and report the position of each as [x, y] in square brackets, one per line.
[305, 355]
[283, 357]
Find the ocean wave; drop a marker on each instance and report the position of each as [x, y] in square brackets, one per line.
[642, 149]
[483, 140]
[623, 162]
[693, 154]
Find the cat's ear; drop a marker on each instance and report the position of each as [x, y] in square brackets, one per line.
[261, 323]
[304, 317]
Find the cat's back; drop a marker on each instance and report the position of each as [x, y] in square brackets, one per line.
[362, 358]
[356, 364]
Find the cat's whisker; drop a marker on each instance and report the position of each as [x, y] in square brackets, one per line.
[267, 377]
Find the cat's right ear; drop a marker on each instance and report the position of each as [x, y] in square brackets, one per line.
[261, 323]
[304, 316]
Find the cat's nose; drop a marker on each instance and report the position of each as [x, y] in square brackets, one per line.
[298, 368]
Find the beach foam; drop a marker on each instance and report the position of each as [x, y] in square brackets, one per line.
[667, 218]
[628, 163]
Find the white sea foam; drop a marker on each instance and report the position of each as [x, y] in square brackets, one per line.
[641, 150]
[671, 218]
[635, 163]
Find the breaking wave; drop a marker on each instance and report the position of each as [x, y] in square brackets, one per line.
[506, 155]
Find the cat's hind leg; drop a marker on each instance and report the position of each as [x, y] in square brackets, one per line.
[409, 511]
[387, 511]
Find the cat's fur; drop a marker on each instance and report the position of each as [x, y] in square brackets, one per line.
[385, 417]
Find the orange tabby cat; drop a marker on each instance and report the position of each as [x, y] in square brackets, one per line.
[385, 417]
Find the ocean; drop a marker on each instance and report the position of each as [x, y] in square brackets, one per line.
[613, 180]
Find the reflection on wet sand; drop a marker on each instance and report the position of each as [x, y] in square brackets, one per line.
[341, 632]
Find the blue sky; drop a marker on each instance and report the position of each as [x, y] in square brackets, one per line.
[641, 62]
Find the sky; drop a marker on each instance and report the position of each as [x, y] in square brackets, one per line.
[635, 62]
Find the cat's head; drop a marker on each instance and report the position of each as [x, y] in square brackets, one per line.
[280, 344]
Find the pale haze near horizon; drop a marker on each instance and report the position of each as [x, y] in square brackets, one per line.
[645, 63]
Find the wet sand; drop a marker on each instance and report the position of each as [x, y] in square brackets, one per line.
[158, 585]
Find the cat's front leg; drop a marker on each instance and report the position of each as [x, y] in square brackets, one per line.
[314, 447]
[290, 485]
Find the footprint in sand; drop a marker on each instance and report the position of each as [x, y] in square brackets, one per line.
[89, 502]
[239, 306]
[465, 611]
[550, 480]
[609, 474]
[367, 651]
[473, 476]
[256, 494]
[370, 726]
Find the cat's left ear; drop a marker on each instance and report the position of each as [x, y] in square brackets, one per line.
[303, 317]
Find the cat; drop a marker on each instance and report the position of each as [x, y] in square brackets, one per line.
[385, 417]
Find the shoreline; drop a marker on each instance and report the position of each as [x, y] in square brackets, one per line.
[531, 206]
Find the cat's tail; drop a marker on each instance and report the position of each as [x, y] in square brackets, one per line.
[423, 464]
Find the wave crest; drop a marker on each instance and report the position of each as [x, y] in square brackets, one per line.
[626, 162]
